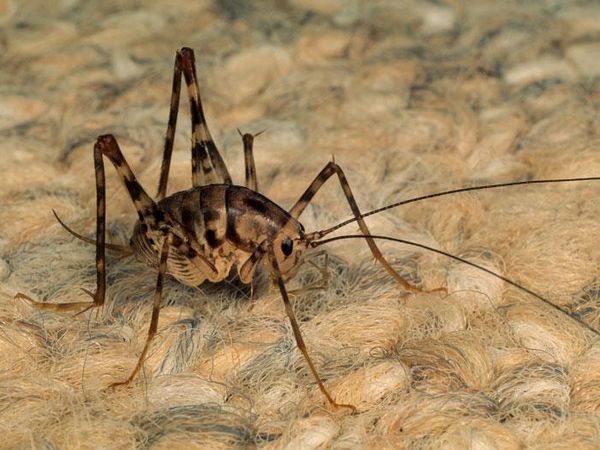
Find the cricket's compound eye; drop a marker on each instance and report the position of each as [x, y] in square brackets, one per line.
[287, 245]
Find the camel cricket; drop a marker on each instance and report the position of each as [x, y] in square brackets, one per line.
[200, 234]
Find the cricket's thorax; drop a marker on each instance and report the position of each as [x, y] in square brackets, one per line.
[228, 222]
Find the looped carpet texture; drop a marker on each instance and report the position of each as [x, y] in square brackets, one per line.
[410, 98]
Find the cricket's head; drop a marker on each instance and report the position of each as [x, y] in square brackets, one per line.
[288, 246]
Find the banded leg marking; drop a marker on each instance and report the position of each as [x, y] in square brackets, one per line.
[156, 303]
[170, 134]
[148, 211]
[251, 179]
[208, 166]
[328, 171]
[99, 296]
[296, 328]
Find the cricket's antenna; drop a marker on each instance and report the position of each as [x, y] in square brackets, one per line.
[320, 234]
[125, 250]
[314, 244]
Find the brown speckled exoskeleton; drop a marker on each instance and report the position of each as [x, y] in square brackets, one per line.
[202, 233]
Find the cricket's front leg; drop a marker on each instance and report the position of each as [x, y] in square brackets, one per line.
[333, 169]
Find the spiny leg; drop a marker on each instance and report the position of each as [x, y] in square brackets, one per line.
[98, 297]
[329, 170]
[296, 329]
[208, 166]
[150, 215]
[156, 302]
[248, 139]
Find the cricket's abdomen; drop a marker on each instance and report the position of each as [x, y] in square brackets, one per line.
[228, 222]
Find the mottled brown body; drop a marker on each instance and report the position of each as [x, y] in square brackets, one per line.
[229, 223]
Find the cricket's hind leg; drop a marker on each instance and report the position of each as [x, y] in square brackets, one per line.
[208, 166]
[147, 209]
[99, 296]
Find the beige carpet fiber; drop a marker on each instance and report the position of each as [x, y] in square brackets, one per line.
[411, 98]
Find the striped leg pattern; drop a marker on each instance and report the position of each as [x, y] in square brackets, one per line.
[208, 166]
[99, 295]
[156, 303]
[276, 273]
[328, 171]
[251, 180]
